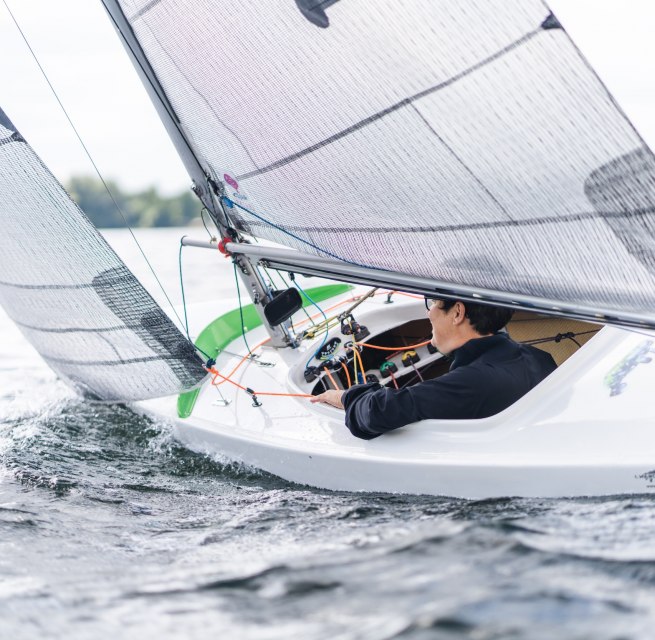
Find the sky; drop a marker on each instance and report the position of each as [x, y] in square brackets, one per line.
[84, 60]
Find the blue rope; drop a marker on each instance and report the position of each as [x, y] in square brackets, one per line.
[230, 203]
[327, 329]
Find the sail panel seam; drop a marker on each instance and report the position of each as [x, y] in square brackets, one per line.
[141, 12]
[78, 329]
[391, 109]
[54, 287]
[45, 287]
[573, 217]
[461, 162]
[110, 363]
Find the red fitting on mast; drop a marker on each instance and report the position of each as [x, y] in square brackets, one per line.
[222, 246]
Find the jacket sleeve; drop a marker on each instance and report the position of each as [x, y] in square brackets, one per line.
[372, 410]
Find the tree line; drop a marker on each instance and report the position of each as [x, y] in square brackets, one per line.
[142, 209]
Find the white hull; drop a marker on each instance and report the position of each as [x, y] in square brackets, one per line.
[568, 437]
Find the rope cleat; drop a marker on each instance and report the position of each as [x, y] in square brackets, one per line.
[410, 357]
[311, 374]
[387, 368]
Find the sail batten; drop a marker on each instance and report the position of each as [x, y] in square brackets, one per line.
[74, 299]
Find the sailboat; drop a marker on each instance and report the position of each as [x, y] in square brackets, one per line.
[402, 150]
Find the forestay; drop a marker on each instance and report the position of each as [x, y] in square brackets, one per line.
[465, 141]
[73, 298]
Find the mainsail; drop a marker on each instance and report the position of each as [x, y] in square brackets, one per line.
[469, 141]
[73, 298]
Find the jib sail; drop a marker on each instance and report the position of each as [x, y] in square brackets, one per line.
[73, 298]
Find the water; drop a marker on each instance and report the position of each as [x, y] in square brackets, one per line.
[109, 529]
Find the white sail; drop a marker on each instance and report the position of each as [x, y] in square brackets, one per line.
[467, 142]
[73, 298]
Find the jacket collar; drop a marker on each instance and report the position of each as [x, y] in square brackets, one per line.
[473, 349]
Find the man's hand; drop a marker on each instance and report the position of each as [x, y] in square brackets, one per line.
[331, 397]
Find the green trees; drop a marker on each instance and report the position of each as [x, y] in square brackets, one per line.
[143, 209]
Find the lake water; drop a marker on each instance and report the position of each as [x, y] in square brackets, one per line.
[109, 529]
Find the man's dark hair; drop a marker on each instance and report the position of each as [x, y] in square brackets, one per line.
[484, 318]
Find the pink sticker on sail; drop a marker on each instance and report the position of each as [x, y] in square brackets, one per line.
[231, 181]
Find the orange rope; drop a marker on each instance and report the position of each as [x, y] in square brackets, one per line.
[332, 380]
[226, 378]
[240, 363]
[397, 349]
[258, 393]
[357, 354]
[355, 299]
[361, 363]
[393, 379]
[316, 315]
[345, 368]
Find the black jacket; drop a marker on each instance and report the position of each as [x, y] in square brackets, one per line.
[486, 376]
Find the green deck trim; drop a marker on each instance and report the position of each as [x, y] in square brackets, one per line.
[226, 328]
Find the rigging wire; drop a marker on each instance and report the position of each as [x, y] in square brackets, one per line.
[230, 203]
[243, 328]
[327, 330]
[179, 261]
[288, 286]
[88, 154]
[186, 320]
[570, 335]
[204, 224]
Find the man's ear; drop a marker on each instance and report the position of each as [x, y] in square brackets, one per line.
[460, 313]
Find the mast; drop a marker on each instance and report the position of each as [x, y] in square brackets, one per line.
[208, 190]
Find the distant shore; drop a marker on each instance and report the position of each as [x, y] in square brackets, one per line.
[138, 209]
